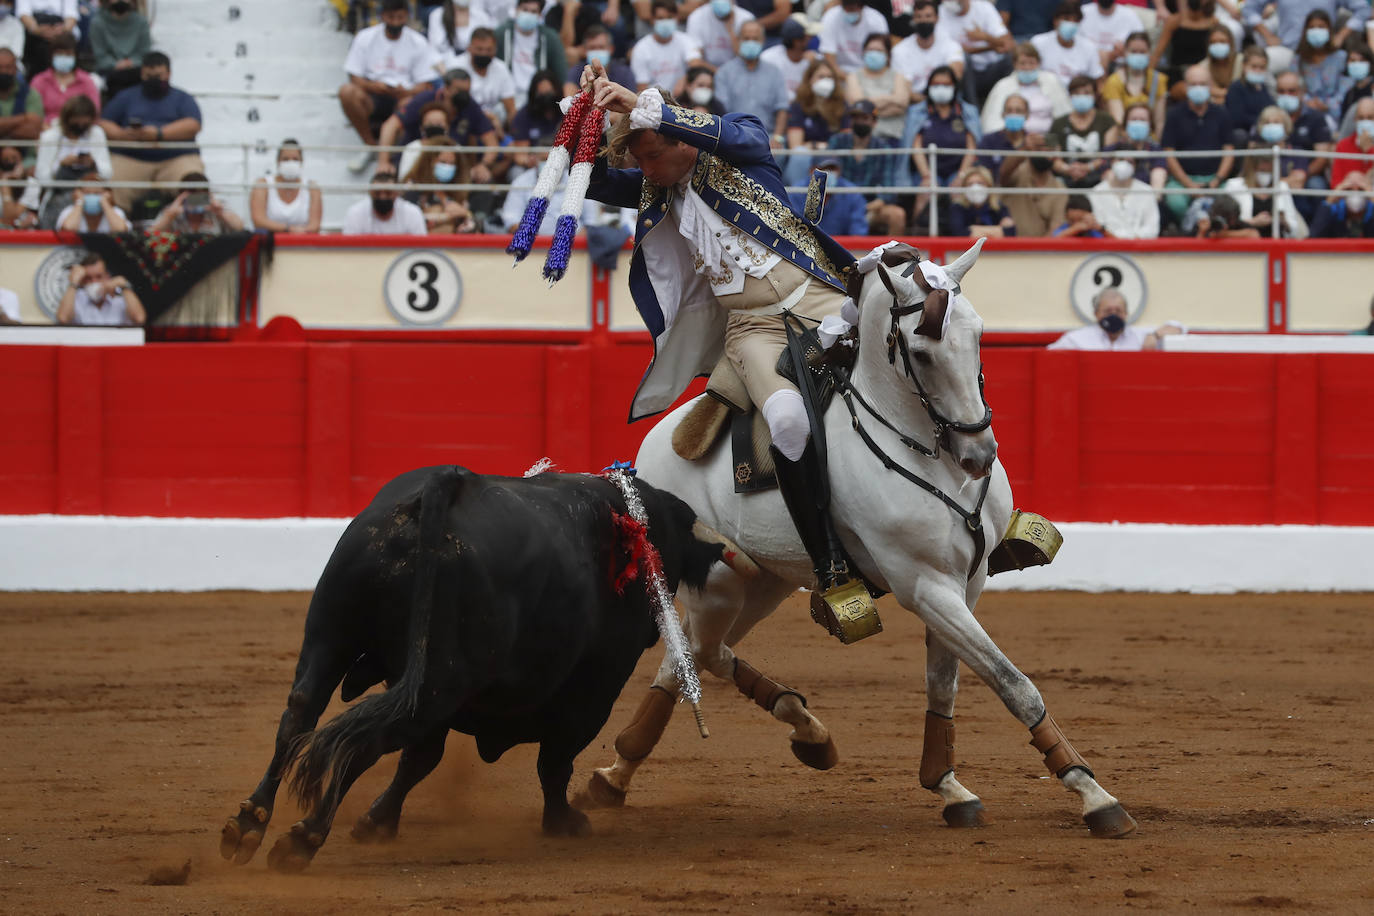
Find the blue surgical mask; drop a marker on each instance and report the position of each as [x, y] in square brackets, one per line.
[1254, 77]
[526, 21]
[1318, 37]
[722, 8]
[854, 17]
[1365, 126]
[1026, 77]
[1081, 103]
[1015, 122]
[1219, 50]
[444, 172]
[750, 49]
[90, 204]
[599, 57]
[1357, 69]
[1138, 130]
[1272, 133]
[1137, 61]
[875, 60]
[1068, 29]
[1289, 103]
[1199, 95]
[941, 95]
[63, 63]
[664, 28]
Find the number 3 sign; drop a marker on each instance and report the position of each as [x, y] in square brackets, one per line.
[422, 288]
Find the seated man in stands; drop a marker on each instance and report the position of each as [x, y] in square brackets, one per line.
[151, 112]
[94, 298]
[493, 87]
[598, 46]
[1361, 142]
[197, 211]
[1035, 215]
[21, 109]
[384, 212]
[387, 64]
[1350, 216]
[1112, 331]
[92, 209]
[464, 120]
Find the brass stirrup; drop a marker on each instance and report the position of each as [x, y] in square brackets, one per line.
[846, 610]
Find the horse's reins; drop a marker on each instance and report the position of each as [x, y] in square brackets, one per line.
[932, 321]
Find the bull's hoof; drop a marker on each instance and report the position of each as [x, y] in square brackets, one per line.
[1110, 823]
[243, 833]
[816, 756]
[600, 793]
[568, 822]
[293, 850]
[369, 830]
[964, 814]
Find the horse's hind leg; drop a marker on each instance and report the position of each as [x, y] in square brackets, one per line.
[382, 820]
[947, 615]
[962, 807]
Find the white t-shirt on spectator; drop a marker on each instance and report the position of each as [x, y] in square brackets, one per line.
[496, 10]
[1126, 213]
[792, 71]
[658, 64]
[406, 219]
[1106, 31]
[489, 90]
[981, 15]
[12, 35]
[67, 9]
[846, 41]
[916, 63]
[104, 220]
[438, 38]
[9, 304]
[715, 35]
[1093, 337]
[110, 312]
[54, 146]
[522, 52]
[1066, 63]
[407, 61]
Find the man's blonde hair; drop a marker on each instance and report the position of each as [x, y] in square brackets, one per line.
[620, 137]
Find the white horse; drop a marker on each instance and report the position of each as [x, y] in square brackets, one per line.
[926, 384]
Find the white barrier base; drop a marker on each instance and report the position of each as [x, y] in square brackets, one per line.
[105, 553]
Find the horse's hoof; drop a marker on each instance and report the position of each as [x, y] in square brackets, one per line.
[569, 822]
[816, 756]
[293, 850]
[241, 837]
[1110, 823]
[368, 830]
[964, 814]
[600, 793]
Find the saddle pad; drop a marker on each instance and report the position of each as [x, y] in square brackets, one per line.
[750, 442]
[700, 429]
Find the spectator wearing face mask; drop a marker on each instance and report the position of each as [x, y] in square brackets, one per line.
[1250, 94]
[11, 29]
[1062, 52]
[977, 212]
[1012, 136]
[92, 210]
[283, 202]
[21, 109]
[63, 80]
[120, 39]
[1183, 40]
[977, 28]
[877, 82]
[1112, 330]
[1135, 82]
[713, 26]
[1262, 198]
[451, 25]
[1322, 67]
[1197, 124]
[1292, 23]
[1085, 129]
[701, 92]
[493, 85]
[871, 171]
[920, 53]
[70, 149]
[1349, 216]
[1137, 134]
[196, 211]
[152, 112]
[382, 212]
[845, 30]
[538, 122]
[598, 46]
[791, 56]
[1359, 59]
[1359, 142]
[444, 211]
[818, 112]
[747, 84]
[1223, 63]
[1124, 205]
[662, 57]
[946, 127]
[95, 299]
[1046, 98]
[1108, 26]
[460, 116]
[527, 46]
[1310, 131]
[45, 21]
[1035, 215]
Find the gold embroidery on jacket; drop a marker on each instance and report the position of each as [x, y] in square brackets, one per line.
[687, 117]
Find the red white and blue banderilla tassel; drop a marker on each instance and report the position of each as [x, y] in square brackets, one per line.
[576, 142]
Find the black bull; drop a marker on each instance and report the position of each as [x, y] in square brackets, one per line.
[488, 606]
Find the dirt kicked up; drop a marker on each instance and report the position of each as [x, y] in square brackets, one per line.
[1237, 730]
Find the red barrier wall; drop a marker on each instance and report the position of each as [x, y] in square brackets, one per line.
[264, 430]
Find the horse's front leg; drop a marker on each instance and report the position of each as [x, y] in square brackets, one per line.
[962, 807]
[947, 616]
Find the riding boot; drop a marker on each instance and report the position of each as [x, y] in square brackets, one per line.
[840, 602]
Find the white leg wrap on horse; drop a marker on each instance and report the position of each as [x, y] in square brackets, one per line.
[785, 413]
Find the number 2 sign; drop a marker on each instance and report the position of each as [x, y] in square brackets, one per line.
[422, 288]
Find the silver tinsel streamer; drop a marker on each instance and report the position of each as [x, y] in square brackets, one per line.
[665, 615]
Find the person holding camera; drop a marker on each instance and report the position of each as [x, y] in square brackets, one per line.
[95, 299]
[197, 211]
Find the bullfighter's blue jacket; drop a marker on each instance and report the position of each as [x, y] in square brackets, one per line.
[737, 177]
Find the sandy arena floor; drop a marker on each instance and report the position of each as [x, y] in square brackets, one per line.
[1237, 730]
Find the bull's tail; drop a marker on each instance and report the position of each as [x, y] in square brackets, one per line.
[332, 748]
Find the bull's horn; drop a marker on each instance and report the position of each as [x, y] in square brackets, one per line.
[962, 263]
[731, 555]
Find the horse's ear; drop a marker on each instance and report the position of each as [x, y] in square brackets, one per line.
[887, 280]
[962, 264]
